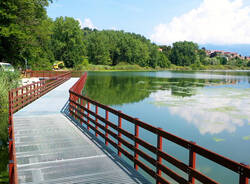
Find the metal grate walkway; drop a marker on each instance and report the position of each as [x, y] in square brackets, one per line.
[51, 149]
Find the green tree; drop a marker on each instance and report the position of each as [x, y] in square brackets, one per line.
[97, 49]
[166, 50]
[223, 60]
[24, 32]
[184, 53]
[67, 41]
[112, 47]
[158, 58]
[202, 55]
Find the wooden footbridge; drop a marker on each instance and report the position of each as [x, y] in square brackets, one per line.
[58, 135]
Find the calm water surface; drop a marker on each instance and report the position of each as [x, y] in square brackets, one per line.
[210, 108]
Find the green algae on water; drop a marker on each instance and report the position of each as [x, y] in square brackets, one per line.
[246, 138]
[224, 109]
[218, 139]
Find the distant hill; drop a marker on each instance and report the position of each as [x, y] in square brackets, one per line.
[243, 49]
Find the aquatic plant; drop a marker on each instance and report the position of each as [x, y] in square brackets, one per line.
[218, 139]
[246, 138]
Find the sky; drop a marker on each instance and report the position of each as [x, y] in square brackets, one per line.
[218, 22]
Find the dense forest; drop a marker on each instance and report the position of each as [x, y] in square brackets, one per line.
[27, 34]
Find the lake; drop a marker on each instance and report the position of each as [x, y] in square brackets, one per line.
[209, 108]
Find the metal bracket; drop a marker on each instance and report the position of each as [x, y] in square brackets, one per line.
[188, 171]
[240, 170]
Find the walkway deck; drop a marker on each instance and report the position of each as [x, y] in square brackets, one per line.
[51, 149]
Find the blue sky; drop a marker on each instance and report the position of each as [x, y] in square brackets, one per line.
[221, 22]
[139, 16]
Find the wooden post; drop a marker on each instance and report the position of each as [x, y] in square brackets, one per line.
[119, 134]
[36, 91]
[17, 94]
[11, 172]
[82, 111]
[159, 159]
[27, 95]
[39, 89]
[70, 104]
[88, 104]
[11, 163]
[10, 120]
[22, 97]
[136, 145]
[107, 126]
[243, 179]
[192, 162]
[96, 120]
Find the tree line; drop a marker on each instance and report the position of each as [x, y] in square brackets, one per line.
[28, 34]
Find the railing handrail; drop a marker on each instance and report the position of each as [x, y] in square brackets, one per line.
[16, 102]
[50, 73]
[241, 169]
[55, 77]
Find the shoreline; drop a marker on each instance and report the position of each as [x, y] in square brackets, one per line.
[165, 69]
[135, 67]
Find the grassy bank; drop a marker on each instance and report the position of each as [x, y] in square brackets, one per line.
[8, 80]
[131, 67]
[119, 67]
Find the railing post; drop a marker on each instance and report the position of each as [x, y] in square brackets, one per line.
[11, 172]
[243, 179]
[88, 106]
[96, 120]
[36, 91]
[75, 107]
[192, 162]
[39, 90]
[10, 120]
[119, 134]
[27, 95]
[107, 126]
[70, 103]
[136, 145]
[16, 93]
[11, 159]
[22, 96]
[159, 159]
[82, 111]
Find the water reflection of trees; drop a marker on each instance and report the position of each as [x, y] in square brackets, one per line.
[120, 88]
[115, 90]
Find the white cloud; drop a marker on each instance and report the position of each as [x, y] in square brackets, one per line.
[214, 21]
[114, 28]
[86, 23]
[55, 5]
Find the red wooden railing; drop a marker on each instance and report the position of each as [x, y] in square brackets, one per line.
[79, 108]
[43, 73]
[29, 74]
[20, 97]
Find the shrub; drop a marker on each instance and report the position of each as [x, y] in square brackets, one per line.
[8, 80]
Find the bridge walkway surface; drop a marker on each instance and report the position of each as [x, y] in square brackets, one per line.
[51, 149]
